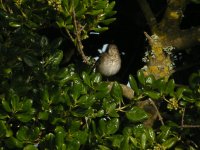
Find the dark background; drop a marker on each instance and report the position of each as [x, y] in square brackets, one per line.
[127, 33]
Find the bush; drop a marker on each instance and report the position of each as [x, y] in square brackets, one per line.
[46, 106]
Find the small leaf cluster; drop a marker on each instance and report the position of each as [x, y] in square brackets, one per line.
[88, 15]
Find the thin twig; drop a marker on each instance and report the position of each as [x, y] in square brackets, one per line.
[69, 34]
[78, 38]
[156, 108]
[182, 117]
[190, 126]
[186, 125]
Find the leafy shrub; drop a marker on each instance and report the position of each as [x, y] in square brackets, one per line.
[46, 106]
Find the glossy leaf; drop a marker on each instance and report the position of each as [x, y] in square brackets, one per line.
[86, 100]
[30, 60]
[143, 141]
[30, 147]
[136, 114]
[24, 117]
[86, 78]
[165, 133]
[133, 84]
[43, 115]
[4, 130]
[170, 87]
[13, 143]
[151, 135]
[170, 142]
[116, 92]
[6, 106]
[102, 126]
[153, 95]
[112, 126]
[117, 140]
[141, 77]
[102, 147]
[59, 139]
[55, 58]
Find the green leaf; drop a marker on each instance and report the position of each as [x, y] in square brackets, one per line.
[134, 141]
[112, 126]
[100, 113]
[170, 87]
[6, 105]
[55, 58]
[179, 92]
[116, 92]
[127, 131]
[86, 100]
[109, 107]
[125, 144]
[151, 134]
[152, 94]
[136, 114]
[102, 126]
[96, 77]
[159, 84]
[102, 147]
[141, 77]
[13, 143]
[22, 134]
[27, 104]
[4, 130]
[44, 41]
[103, 86]
[56, 43]
[24, 117]
[100, 29]
[117, 140]
[81, 136]
[43, 115]
[30, 60]
[30, 147]
[138, 130]
[77, 89]
[60, 139]
[143, 141]
[164, 134]
[86, 78]
[95, 12]
[73, 145]
[14, 24]
[16, 105]
[170, 142]
[108, 21]
[47, 142]
[133, 84]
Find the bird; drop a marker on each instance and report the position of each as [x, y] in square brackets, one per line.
[109, 62]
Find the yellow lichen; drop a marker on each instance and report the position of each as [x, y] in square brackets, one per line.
[174, 15]
[159, 63]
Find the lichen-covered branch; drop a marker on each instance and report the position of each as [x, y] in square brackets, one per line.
[168, 29]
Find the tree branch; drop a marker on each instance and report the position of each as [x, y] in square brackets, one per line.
[169, 28]
[150, 18]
